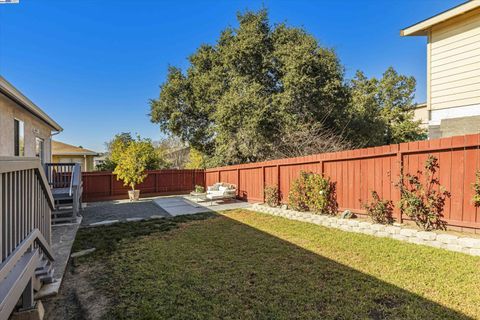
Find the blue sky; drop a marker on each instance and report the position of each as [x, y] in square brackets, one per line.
[94, 65]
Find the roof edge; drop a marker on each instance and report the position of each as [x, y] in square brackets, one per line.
[92, 153]
[9, 90]
[421, 28]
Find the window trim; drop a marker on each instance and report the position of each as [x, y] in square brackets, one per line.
[18, 137]
[41, 151]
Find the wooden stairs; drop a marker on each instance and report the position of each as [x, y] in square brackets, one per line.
[67, 187]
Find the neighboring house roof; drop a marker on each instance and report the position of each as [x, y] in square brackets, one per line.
[421, 105]
[10, 91]
[421, 28]
[64, 149]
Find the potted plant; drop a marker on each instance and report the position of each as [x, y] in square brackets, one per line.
[131, 168]
[199, 189]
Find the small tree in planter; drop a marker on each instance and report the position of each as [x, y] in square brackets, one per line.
[133, 163]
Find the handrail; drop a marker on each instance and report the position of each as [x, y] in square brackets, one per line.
[71, 182]
[10, 164]
[34, 237]
[14, 288]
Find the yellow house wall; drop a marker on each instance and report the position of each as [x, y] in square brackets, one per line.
[75, 159]
[34, 127]
[454, 63]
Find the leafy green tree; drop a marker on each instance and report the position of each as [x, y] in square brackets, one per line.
[117, 146]
[382, 110]
[239, 96]
[196, 160]
[121, 142]
[133, 162]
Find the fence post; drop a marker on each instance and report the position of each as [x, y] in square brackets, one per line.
[263, 183]
[399, 174]
[278, 183]
[111, 184]
[194, 173]
[238, 182]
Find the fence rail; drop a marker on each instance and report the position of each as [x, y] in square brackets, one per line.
[358, 172]
[98, 186]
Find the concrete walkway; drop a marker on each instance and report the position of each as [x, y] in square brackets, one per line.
[176, 206]
[63, 236]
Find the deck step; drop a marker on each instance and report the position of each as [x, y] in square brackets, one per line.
[63, 197]
[62, 213]
[64, 220]
[47, 277]
[44, 263]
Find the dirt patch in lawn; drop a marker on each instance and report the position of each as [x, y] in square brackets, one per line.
[78, 299]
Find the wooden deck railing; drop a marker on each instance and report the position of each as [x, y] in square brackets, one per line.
[59, 175]
[26, 204]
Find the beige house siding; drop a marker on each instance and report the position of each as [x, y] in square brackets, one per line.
[454, 62]
[33, 127]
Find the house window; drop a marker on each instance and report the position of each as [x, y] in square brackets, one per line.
[19, 137]
[39, 149]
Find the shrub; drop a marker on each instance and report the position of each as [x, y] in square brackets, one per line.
[199, 189]
[272, 195]
[380, 211]
[476, 190]
[424, 202]
[313, 192]
[297, 197]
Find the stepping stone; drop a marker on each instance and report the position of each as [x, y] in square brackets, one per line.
[134, 219]
[82, 253]
[103, 223]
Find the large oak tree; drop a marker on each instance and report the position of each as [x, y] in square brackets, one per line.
[240, 98]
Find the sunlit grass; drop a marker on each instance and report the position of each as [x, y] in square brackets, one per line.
[245, 265]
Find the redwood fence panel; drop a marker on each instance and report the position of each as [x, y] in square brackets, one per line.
[358, 172]
[98, 186]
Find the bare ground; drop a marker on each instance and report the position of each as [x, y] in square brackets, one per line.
[77, 299]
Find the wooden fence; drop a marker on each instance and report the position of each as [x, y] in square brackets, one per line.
[98, 186]
[358, 172]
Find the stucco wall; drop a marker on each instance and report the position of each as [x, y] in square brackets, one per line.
[33, 127]
[421, 114]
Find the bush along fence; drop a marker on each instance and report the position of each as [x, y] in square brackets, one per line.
[357, 174]
[99, 186]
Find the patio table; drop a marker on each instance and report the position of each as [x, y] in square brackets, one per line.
[198, 196]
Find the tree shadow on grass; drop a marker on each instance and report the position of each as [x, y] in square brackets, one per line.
[220, 268]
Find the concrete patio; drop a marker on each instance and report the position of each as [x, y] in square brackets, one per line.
[183, 205]
[121, 210]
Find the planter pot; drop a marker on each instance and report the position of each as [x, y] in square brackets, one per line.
[133, 195]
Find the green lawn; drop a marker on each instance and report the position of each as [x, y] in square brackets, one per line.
[244, 265]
